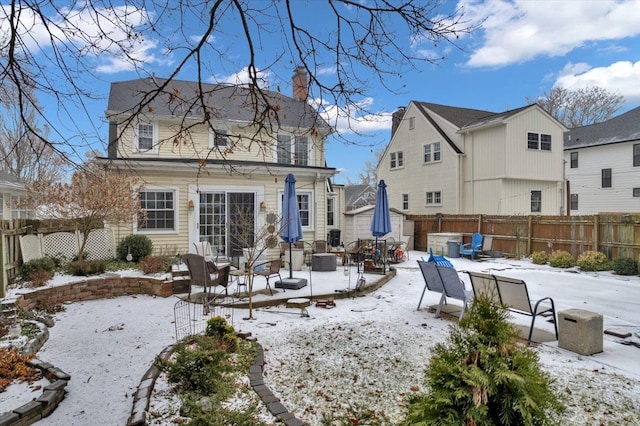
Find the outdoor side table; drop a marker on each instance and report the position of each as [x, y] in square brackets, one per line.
[580, 331]
[323, 262]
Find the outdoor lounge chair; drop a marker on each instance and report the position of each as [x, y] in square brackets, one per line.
[475, 246]
[515, 296]
[453, 287]
[205, 273]
[484, 285]
[269, 270]
[432, 282]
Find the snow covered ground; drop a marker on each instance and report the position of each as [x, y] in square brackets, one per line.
[368, 351]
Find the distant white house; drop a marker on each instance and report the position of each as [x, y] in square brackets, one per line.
[11, 192]
[603, 165]
[446, 159]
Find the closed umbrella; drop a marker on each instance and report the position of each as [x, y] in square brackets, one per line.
[291, 228]
[381, 222]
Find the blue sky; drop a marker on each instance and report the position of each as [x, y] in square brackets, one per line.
[522, 49]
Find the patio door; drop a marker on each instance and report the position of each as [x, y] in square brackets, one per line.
[227, 221]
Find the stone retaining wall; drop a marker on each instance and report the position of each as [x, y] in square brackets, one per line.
[94, 288]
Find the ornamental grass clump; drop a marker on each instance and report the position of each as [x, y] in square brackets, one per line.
[561, 259]
[484, 376]
[539, 257]
[593, 261]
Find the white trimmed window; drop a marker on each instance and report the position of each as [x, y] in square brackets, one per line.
[146, 137]
[433, 198]
[292, 150]
[305, 203]
[539, 141]
[536, 201]
[574, 201]
[331, 211]
[160, 210]
[431, 152]
[396, 160]
[218, 138]
[405, 201]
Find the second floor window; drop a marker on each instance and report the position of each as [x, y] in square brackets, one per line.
[146, 139]
[536, 201]
[218, 138]
[636, 155]
[396, 160]
[574, 201]
[606, 178]
[539, 141]
[574, 160]
[431, 152]
[160, 210]
[433, 198]
[405, 201]
[292, 150]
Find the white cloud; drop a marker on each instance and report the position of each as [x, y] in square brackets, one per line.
[519, 31]
[353, 118]
[621, 77]
[107, 34]
[242, 78]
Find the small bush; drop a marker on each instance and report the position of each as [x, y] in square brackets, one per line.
[561, 259]
[43, 264]
[152, 264]
[219, 328]
[83, 268]
[539, 257]
[138, 246]
[624, 266]
[593, 261]
[39, 278]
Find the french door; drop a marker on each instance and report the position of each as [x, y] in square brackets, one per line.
[227, 221]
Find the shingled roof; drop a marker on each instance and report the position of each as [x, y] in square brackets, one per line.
[179, 98]
[623, 128]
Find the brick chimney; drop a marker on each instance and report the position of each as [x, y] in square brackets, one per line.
[300, 84]
[396, 118]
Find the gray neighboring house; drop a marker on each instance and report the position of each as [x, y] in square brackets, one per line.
[602, 163]
[12, 191]
[357, 196]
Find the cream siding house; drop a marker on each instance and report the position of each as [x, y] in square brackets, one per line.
[12, 191]
[603, 166]
[210, 170]
[444, 159]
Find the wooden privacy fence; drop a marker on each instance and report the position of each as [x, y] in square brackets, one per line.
[614, 234]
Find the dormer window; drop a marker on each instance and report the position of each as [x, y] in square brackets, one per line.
[146, 137]
[292, 150]
[218, 138]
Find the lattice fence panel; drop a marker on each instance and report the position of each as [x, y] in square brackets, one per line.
[100, 244]
[61, 245]
[31, 247]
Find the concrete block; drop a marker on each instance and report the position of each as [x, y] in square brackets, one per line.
[580, 331]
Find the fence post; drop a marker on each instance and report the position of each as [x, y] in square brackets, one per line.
[3, 275]
[596, 232]
[480, 224]
[529, 231]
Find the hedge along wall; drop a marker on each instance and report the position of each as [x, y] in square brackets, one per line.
[94, 288]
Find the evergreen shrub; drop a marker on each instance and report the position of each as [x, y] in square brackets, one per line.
[561, 259]
[593, 261]
[624, 266]
[137, 245]
[540, 257]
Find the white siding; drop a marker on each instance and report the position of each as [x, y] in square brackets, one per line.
[586, 179]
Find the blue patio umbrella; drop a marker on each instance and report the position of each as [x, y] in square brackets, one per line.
[291, 227]
[381, 222]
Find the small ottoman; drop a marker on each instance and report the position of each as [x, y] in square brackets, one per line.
[323, 262]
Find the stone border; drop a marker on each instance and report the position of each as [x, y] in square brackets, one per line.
[142, 397]
[45, 404]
